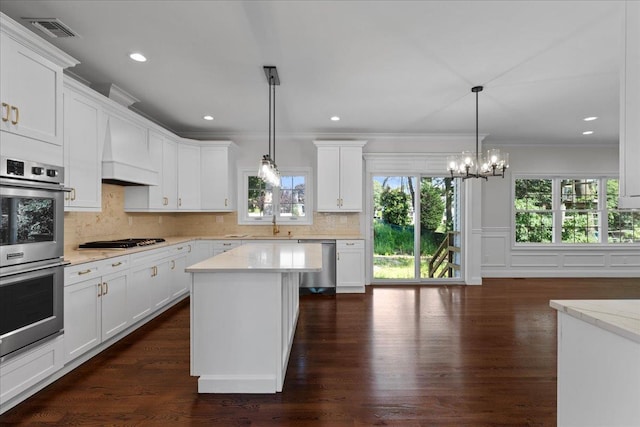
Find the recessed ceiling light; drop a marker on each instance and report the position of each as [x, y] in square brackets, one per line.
[587, 132]
[335, 119]
[590, 119]
[207, 117]
[136, 56]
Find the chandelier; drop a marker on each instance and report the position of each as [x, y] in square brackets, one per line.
[268, 170]
[467, 165]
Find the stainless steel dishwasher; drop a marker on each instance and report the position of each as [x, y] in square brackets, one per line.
[321, 282]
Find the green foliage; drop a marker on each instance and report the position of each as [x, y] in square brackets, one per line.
[395, 206]
[390, 239]
[431, 206]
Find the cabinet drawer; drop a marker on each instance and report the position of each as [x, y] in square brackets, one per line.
[219, 247]
[113, 265]
[80, 272]
[23, 371]
[349, 244]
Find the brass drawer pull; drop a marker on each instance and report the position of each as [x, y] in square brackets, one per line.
[80, 273]
[116, 264]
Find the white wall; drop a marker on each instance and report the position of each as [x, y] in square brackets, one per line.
[501, 258]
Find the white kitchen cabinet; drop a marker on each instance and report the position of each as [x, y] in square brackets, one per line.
[218, 176]
[163, 154]
[189, 176]
[84, 130]
[339, 176]
[350, 266]
[95, 304]
[179, 279]
[31, 94]
[20, 373]
[220, 246]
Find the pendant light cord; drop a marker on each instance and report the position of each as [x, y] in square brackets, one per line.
[477, 143]
[270, 78]
[274, 121]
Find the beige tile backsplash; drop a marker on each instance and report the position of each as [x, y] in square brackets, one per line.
[114, 223]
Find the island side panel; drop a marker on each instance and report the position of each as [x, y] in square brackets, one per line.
[290, 311]
[236, 332]
[598, 376]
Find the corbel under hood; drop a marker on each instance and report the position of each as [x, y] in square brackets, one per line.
[125, 158]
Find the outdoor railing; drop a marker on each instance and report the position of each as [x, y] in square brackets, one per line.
[442, 262]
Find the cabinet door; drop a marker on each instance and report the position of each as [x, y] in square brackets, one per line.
[156, 192]
[82, 317]
[214, 165]
[32, 87]
[83, 134]
[169, 178]
[139, 292]
[350, 266]
[328, 182]
[351, 179]
[161, 283]
[180, 279]
[189, 177]
[115, 316]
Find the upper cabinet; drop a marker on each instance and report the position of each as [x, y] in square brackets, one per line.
[84, 130]
[31, 94]
[630, 111]
[163, 154]
[339, 176]
[218, 174]
[188, 176]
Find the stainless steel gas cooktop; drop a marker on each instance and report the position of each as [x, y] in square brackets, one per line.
[120, 243]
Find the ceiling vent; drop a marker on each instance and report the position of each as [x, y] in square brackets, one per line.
[52, 27]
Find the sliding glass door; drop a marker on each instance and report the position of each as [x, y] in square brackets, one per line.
[415, 228]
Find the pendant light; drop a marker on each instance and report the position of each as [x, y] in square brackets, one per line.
[469, 166]
[268, 170]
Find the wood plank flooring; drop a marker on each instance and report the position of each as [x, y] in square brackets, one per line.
[395, 356]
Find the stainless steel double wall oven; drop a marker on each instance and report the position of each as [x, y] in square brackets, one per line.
[31, 254]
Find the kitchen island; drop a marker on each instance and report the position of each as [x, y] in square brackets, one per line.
[244, 310]
[598, 362]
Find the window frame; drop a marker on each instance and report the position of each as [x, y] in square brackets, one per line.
[243, 188]
[557, 212]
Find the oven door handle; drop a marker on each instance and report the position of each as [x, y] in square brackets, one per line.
[9, 182]
[21, 270]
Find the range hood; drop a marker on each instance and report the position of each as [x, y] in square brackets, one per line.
[125, 158]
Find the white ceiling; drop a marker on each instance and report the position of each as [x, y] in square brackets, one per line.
[384, 67]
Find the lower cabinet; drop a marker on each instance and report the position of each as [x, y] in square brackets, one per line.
[95, 304]
[350, 266]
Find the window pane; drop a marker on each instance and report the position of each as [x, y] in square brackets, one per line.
[624, 226]
[259, 198]
[580, 227]
[579, 193]
[533, 194]
[534, 227]
[292, 190]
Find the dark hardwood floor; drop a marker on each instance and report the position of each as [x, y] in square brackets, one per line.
[403, 356]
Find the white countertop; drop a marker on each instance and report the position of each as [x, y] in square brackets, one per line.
[264, 257]
[622, 317]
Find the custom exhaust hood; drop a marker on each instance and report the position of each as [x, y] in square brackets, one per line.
[125, 157]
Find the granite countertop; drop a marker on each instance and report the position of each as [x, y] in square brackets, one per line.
[80, 256]
[621, 317]
[261, 258]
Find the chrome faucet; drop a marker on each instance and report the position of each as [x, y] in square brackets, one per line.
[276, 229]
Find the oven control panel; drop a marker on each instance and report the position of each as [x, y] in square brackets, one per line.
[32, 171]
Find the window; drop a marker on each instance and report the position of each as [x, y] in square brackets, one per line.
[290, 203]
[572, 211]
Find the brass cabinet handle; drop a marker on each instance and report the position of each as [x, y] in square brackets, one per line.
[173, 265]
[225, 202]
[5, 114]
[80, 273]
[189, 251]
[338, 256]
[179, 201]
[165, 201]
[106, 288]
[180, 248]
[99, 290]
[337, 202]
[17, 119]
[116, 264]
[73, 194]
[350, 244]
